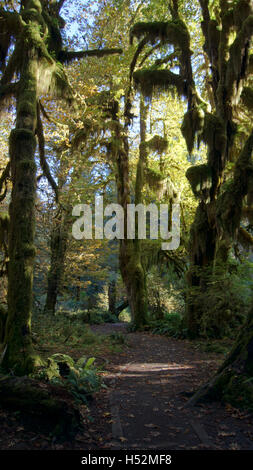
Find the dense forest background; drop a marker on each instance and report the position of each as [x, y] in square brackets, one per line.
[138, 102]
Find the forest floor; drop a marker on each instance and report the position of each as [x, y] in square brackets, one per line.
[143, 406]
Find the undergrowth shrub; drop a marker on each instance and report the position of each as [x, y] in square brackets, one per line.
[81, 378]
[170, 325]
[224, 302]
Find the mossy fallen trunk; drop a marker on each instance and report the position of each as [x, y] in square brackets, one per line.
[233, 383]
[41, 400]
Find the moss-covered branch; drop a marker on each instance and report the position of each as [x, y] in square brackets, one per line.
[65, 57]
[173, 32]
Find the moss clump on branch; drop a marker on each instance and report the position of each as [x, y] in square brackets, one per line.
[156, 144]
[173, 32]
[153, 177]
[200, 179]
[149, 80]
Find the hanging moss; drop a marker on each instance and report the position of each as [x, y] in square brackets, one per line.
[149, 80]
[192, 125]
[230, 202]
[200, 179]
[238, 61]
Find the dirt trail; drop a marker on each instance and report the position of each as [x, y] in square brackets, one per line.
[148, 387]
[143, 406]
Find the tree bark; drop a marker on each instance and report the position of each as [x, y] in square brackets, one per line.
[59, 237]
[20, 355]
[131, 267]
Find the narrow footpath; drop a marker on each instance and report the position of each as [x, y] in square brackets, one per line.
[148, 387]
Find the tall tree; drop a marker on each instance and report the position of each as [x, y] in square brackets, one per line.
[227, 31]
[32, 45]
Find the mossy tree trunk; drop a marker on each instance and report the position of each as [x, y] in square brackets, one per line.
[210, 244]
[59, 238]
[20, 355]
[132, 268]
[130, 264]
[35, 57]
[233, 382]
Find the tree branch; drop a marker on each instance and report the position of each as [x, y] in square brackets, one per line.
[43, 162]
[67, 56]
[244, 237]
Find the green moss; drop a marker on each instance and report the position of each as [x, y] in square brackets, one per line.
[154, 178]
